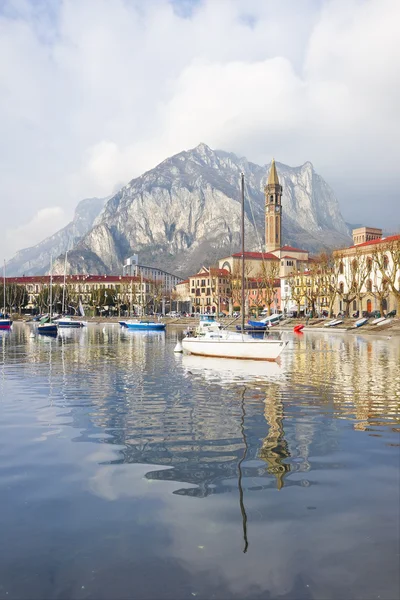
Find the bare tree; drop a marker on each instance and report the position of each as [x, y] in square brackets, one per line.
[386, 257]
[268, 275]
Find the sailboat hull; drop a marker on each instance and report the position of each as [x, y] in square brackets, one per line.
[5, 324]
[249, 349]
[47, 329]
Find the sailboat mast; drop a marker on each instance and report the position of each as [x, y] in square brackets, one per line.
[4, 287]
[242, 236]
[65, 275]
[51, 287]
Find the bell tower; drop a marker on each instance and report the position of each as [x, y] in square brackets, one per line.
[273, 211]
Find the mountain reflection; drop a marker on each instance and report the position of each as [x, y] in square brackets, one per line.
[129, 389]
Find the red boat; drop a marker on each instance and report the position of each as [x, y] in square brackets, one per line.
[298, 328]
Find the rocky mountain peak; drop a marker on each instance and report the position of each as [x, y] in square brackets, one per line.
[186, 211]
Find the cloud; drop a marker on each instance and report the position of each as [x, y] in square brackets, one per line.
[43, 224]
[93, 93]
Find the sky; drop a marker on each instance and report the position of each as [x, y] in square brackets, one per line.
[95, 92]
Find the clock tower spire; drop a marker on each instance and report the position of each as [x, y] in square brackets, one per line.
[273, 211]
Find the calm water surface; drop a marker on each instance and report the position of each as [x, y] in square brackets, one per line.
[127, 471]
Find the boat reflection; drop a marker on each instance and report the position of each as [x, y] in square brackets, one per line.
[228, 371]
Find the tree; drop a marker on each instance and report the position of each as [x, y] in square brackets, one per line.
[297, 289]
[329, 279]
[355, 272]
[268, 274]
[386, 258]
[236, 284]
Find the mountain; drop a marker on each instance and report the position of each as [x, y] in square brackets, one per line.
[186, 212]
[36, 259]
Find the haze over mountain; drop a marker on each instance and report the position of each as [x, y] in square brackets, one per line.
[36, 259]
[186, 212]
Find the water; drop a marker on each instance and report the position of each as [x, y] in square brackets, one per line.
[127, 471]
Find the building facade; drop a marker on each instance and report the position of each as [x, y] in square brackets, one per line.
[134, 269]
[368, 276]
[210, 290]
[98, 292]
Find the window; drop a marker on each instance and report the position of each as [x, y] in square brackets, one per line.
[271, 198]
[385, 261]
[369, 285]
[341, 268]
[341, 288]
[369, 264]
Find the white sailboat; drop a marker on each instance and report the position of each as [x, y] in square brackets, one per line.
[46, 325]
[5, 322]
[65, 321]
[217, 342]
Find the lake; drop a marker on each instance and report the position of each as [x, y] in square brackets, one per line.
[128, 471]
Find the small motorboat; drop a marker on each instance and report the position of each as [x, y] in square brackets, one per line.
[47, 328]
[252, 328]
[70, 323]
[378, 321]
[123, 323]
[145, 326]
[334, 323]
[361, 322]
[5, 324]
[298, 328]
[385, 321]
[266, 322]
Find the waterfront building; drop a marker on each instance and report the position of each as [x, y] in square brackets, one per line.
[210, 290]
[109, 292]
[166, 280]
[368, 273]
[182, 297]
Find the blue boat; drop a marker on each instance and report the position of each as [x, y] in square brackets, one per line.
[46, 326]
[48, 329]
[260, 327]
[266, 322]
[5, 323]
[145, 326]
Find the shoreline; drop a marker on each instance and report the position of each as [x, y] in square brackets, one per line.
[314, 325]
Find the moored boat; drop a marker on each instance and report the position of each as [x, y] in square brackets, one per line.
[145, 326]
[214, 341]
[333, 323]
[298, 328]
[266, 322]
[46, 325]
[70, 323]
[47, 328]
[361, 322]
[5, 324]
[378, 320]
[5, 321]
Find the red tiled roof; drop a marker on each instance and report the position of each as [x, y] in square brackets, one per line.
[75, 279]
[219, 272]
[391, 238]
[291, 249]
[256, 255]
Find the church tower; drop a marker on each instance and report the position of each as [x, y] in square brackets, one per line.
[273, 211]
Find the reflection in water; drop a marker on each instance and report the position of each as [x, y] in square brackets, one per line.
[120, 448]
[241, 494]
[274, 449]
